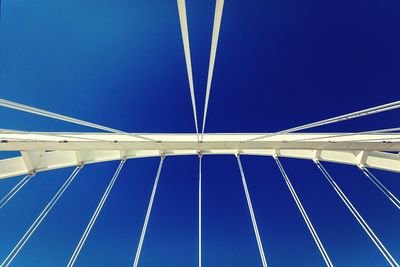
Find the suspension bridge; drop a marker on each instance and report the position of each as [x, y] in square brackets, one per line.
[46, 151]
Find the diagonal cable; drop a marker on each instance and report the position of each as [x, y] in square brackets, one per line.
[381, 187]
[15, 190]
[186, 47]
[389, 258]
[253, 218]
[307, 220]
[8, 260]
[41, 112]
[348, 116]
[219, 6]
[48, 114]
[149, 207]
[94, 216]
[334, 135]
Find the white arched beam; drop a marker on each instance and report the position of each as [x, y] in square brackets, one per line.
[61, 159]
[48, 151]
[110, 141]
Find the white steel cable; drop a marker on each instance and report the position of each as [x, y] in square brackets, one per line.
[200, 156]
[146, 220]
[8, 260]
[219, 6]
[381, 187]
[383, 140]
[48, 114]
[2, 130]
[365, 133]
[186, 48]
[66, 135]
[358, 217]
[41, 112]
[253, 218]
[94, 217]
[348, 116]
[307, 220]
[15, 190]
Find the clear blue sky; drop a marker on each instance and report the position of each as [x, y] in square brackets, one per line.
[279, 64]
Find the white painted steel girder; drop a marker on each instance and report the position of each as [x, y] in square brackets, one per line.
[48, 151]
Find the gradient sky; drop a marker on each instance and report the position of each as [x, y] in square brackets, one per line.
[279, 64]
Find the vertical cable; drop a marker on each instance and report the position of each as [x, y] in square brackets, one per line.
[94, 216]
[253, 218]
[8, 260]
[200, 156]
[358, 217]
[15, 190]
[381, 187]
[146, 220]
[304, 214]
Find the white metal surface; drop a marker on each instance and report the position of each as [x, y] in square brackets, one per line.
[174, 142]
[48, 151]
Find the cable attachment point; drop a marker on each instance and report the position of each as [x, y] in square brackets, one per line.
[162, 155]
[361, 166]
[81, 164]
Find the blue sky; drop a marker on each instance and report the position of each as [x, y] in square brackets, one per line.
[279, 64]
